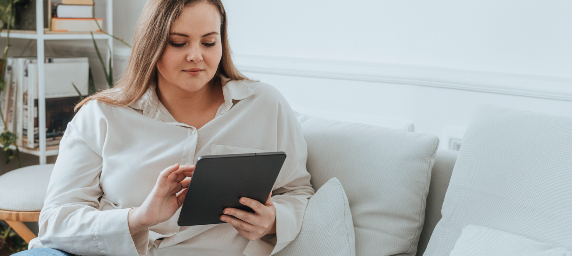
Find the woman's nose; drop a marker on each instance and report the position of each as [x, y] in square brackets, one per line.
[194, 55]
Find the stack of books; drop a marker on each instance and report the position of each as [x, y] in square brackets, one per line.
[19, 99]
[74, 16]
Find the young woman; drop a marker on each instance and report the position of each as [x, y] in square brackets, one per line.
[115, 188]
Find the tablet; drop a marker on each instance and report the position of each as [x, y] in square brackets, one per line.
[219, 181]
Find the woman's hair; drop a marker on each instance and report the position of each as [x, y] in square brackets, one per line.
[150, 41]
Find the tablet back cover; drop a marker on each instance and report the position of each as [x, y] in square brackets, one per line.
[219, 182]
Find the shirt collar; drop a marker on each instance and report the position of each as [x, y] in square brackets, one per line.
[150, 105]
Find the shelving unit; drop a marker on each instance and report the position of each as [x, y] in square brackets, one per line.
[41, 35]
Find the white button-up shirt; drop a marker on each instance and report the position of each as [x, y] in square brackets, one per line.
[110, 158]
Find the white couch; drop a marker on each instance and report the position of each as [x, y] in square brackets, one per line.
[508, 191]
[396, 182]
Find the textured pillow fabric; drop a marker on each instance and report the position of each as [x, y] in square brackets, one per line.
[327, 228]
[24, 189]
[477, 241]
[513, 173]
[385, 174]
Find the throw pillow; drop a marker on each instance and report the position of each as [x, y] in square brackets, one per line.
[477, 241]
[385, 174]
[513, 173]
[327, 228]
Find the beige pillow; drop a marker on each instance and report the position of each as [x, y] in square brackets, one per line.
[385, 174]
[327, 228]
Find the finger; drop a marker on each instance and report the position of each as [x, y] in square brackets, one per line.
[180, 177]
[238, 223]
[244, 216]
[165, 173]
[186, 168]
[181, 197]
[185, 183]
[255, 205]
[268, 201]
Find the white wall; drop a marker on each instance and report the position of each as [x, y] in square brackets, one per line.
[512, 36]
[432, 62]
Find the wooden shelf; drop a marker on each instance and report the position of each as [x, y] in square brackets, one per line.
[52, 35]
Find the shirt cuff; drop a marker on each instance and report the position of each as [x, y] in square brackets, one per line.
[286, 232]
[113, 234]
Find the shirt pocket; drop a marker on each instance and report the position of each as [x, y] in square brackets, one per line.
[224, 149]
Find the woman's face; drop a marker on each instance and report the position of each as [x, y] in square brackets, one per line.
[194, 49]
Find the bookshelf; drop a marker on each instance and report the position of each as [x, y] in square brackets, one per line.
[41, 35]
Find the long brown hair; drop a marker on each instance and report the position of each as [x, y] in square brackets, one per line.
[150, 41]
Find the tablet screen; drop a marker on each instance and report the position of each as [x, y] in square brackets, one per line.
[219, 181]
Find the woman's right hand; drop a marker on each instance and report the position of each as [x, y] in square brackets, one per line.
[163, 201]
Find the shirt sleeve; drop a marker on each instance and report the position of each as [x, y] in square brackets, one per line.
[70, 219]
[292, 191]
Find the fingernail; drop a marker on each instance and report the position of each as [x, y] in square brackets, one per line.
[243, 200]
[222, 218]
[227, 212]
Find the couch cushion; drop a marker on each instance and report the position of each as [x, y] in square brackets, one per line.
[477, 241]
[24, 189]
[513, 173]
[440, 176]
[385, 174]
[328, 228]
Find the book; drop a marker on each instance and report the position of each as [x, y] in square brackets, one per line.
[76, 25]
[82, 2]
[73, 11]
[60, 97]
[4, 101]
[6, 97]
[31, 78]
[18, 72]
[25, 18]
[11, 97]
[59, 112]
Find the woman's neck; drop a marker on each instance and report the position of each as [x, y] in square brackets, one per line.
[193, 108]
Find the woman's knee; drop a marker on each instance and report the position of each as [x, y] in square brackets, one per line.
[43, 252]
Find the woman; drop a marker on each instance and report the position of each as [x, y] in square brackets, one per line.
[180, 98]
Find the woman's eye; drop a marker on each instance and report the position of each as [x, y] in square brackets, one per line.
[209, 44]
[176, 45]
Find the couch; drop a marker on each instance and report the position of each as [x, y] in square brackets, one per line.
[396, 182]
[508, 191]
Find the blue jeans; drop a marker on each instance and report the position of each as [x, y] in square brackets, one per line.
[43, 252]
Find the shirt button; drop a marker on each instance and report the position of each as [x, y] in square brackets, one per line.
[193, 131]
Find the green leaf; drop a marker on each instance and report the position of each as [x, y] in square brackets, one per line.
[100, 58]
[110, 79]
[77, 90]
[91, 84]
[7, 138]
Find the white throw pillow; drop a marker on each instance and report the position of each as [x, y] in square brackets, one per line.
[478, 241]
[385, 174]
[327, 228]
[513, 173]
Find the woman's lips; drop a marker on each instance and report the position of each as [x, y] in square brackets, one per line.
[194, 71]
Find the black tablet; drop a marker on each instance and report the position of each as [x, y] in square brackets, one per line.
[219, 181]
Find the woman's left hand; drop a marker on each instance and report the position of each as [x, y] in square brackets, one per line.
[252, 225]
